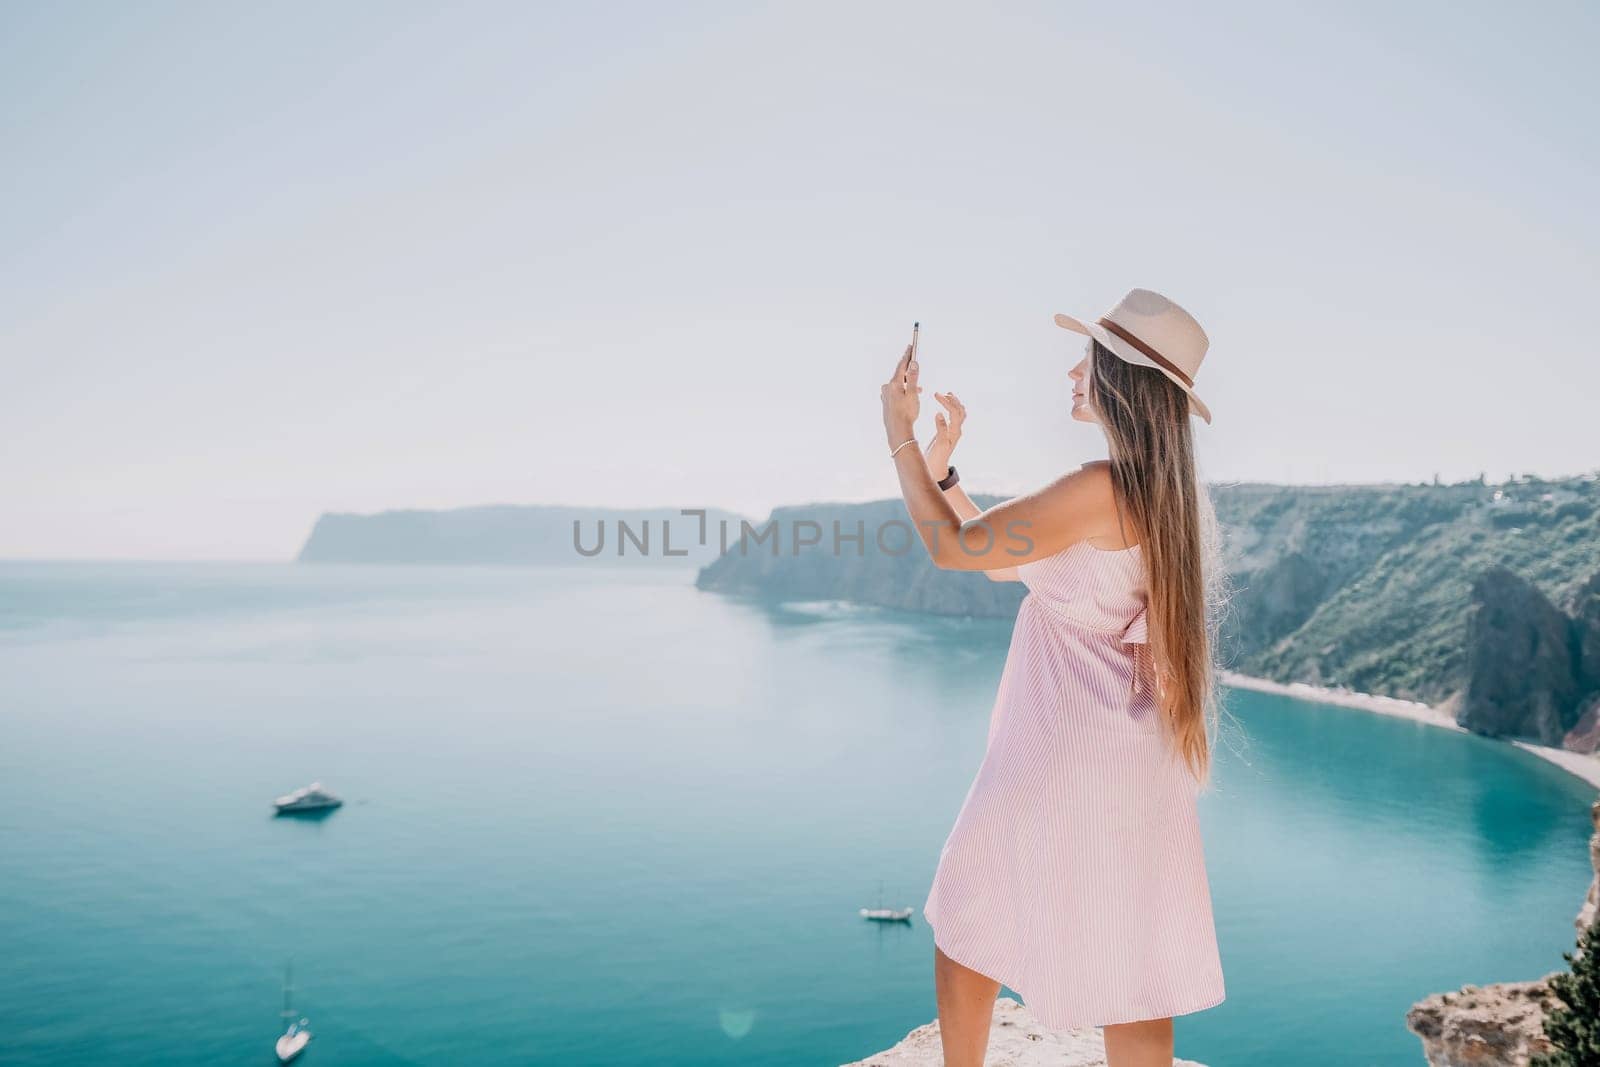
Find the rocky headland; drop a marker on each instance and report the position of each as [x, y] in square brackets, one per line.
[517, 535]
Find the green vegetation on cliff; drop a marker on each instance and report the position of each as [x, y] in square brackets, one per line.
[1370, 586]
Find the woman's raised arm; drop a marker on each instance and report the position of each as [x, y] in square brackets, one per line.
[1031, 527]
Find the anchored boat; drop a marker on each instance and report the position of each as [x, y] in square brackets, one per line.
[881, 914]
[312, 798]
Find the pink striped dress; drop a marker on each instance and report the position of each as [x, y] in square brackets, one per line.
[1074, 873]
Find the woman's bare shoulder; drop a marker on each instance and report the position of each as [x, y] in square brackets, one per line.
[1097, 472]
[1111, 532]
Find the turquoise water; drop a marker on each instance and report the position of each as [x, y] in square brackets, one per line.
[598, 817]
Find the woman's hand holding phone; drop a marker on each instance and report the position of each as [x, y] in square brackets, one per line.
[900, 401]
[901, 407]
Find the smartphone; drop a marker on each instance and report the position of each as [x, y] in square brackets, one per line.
[916, 328]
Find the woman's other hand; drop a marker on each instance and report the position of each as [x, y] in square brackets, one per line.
[901, 403]
[947, 435]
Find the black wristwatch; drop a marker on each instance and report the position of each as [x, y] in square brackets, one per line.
[949, 481]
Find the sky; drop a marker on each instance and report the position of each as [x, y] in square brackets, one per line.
[258, 262]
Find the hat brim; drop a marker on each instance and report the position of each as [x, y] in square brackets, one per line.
[1128, 354]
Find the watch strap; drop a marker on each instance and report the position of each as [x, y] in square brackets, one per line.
[950, 480]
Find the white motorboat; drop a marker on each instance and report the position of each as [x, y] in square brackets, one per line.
[296, 1036]
[312, 798]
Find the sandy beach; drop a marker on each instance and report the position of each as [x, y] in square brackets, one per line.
[1584, 767]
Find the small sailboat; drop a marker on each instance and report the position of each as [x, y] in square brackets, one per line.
[888, 915]
[295, 1035]
[881, 914]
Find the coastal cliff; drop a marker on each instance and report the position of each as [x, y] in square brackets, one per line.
[1015, 1040]
[1500, 1025]
[516, 535]
[1533, 670]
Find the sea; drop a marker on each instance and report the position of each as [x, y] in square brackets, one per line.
[597, 816]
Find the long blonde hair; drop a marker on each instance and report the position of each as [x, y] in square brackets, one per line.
[1146, 419]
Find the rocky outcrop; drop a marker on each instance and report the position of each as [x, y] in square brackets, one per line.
[1015, 1040]
[1584, 737]
[1591, 903]
[1499, 1025]
[1524, 673]
[1495, 1026]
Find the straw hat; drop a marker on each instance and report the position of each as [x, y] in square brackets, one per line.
[1149, 330]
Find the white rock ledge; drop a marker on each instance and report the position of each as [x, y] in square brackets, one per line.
[1015, 1040]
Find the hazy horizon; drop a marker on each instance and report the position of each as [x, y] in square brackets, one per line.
[258, 265]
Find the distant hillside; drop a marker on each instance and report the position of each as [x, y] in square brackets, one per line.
[1367, 586]
[1372, 586]
[896, 575]
[506, 534]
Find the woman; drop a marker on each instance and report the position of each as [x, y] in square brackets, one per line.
[1074, 873]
